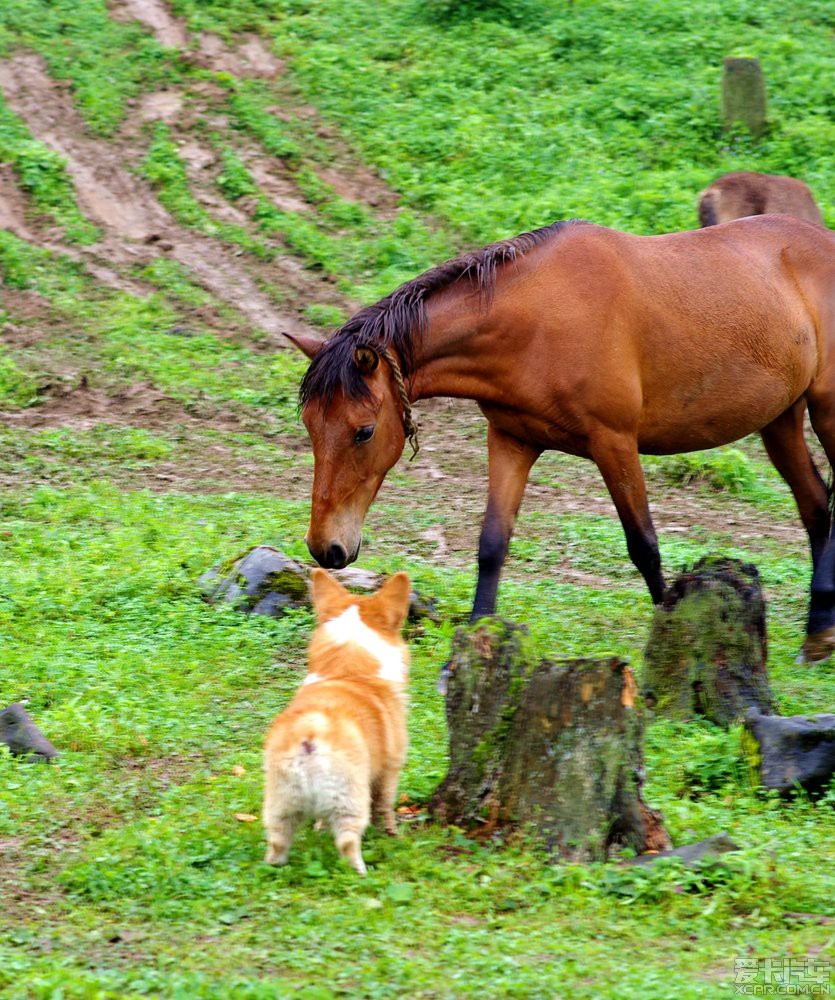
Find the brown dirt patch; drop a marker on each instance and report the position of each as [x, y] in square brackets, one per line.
[171, 32]
[251, 57]
[127, 209]
[274, 180]
[363, 186]
[32, 317]
[162, 106]
[140, 405]
[12, 205]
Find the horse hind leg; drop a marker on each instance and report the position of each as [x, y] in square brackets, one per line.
[820, 637]
[786, 446]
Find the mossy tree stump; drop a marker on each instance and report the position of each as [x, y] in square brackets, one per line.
[706, 654]
[743, 95]
[553, 747]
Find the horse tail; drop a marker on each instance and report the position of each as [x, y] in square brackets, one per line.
[707, 209]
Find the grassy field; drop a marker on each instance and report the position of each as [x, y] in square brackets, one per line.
[177, 185]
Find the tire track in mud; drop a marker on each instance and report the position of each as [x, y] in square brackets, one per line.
[125, 207]
[251, 57]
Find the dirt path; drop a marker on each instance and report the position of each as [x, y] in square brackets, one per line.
[169, 31]
[126, 208]
[250, 57]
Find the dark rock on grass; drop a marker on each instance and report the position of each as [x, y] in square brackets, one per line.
[706, 653]
[264, 581]
[794, 751]
[690, 854]
[22, 736]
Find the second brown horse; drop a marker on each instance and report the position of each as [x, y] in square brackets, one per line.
[733, 196]
[600, 344]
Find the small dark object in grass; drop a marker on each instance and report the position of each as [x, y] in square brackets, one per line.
[19, 732]
[797, 750]
[719, 843]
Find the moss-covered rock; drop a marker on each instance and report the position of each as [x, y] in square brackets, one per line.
[264, 581]
[797, 751]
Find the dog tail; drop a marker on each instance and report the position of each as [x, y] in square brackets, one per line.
[310, 738]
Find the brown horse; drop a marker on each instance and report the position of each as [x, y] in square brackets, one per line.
[733, 196]
[600, 344]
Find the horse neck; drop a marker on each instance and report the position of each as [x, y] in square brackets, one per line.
[455, 354]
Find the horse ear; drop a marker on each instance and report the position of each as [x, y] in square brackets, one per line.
[324, 590]
[366, 360]
[307, 345]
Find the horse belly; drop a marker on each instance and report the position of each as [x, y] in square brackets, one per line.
[722, 405]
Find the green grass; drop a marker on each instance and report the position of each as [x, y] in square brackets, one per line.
[136, 679]
[17, 387]
[602, 111]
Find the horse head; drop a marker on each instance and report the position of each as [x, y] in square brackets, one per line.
[358, 428]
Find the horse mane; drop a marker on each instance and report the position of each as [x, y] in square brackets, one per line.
[398, 320]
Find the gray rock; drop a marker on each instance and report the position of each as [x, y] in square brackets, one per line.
[264, 581]
[794, 750]
[689, 854]
[19, 732]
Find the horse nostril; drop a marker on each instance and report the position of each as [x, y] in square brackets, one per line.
[336, 557]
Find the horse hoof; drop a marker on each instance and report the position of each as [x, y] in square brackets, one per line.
[818, 647]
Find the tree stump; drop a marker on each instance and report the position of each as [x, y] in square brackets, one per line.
[707, 645]
[743, 94]
[555, 747]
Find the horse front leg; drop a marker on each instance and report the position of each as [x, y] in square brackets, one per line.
[509, 462]
[616, 455]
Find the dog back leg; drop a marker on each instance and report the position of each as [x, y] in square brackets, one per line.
[384, 797]
[348, 824]
[281, 818]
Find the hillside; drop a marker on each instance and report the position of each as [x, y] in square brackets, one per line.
[179, 184]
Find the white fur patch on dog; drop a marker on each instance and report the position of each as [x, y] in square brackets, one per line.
[311, 678]
[350, 628]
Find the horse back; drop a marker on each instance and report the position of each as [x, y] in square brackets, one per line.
[743, 193]
[691, 339]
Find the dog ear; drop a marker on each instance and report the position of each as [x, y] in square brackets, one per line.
[324, 590]
[366, 360]
[392, 600]
[307, 345]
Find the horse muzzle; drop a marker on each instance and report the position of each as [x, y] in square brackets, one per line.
[333, 556]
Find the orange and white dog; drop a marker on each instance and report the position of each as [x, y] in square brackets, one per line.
[338, 747]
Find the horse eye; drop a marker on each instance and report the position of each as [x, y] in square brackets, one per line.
[363, 434]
